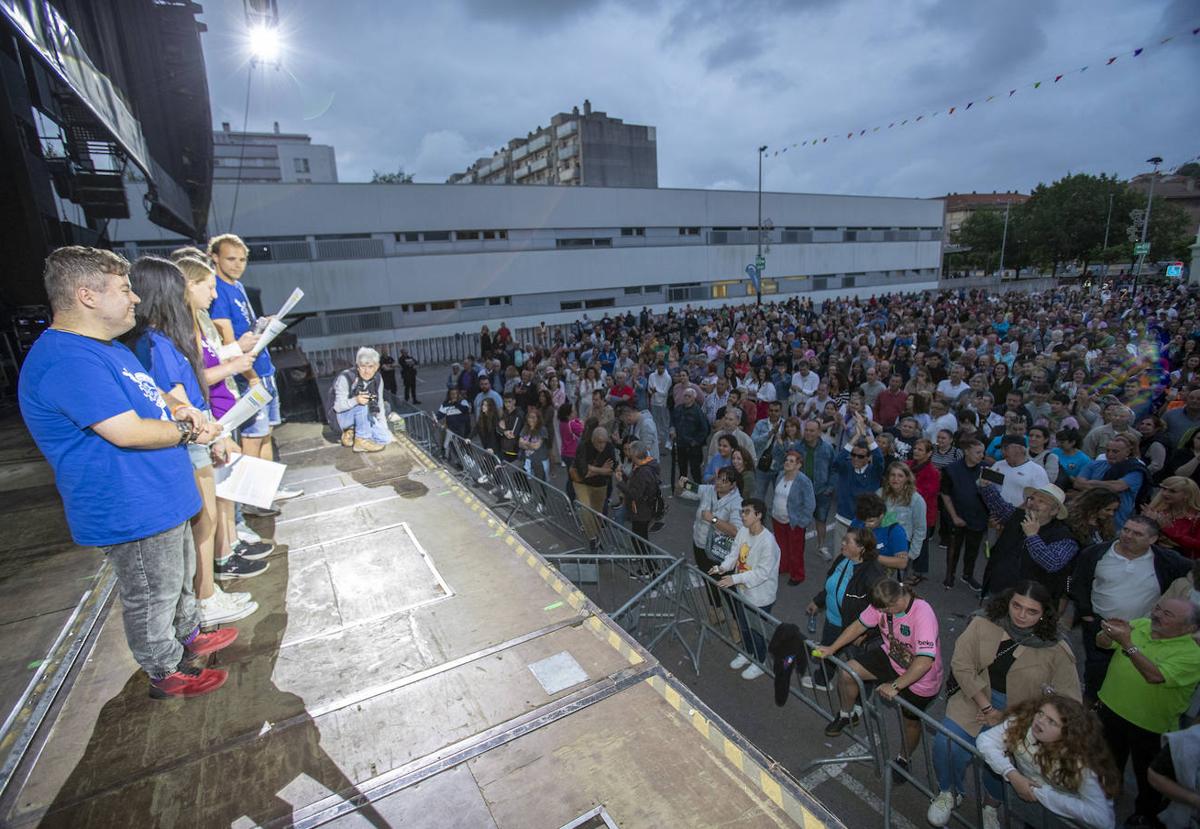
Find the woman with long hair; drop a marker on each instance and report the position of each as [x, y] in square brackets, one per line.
[845, 593]
[1001, 383]
[1051, 750]
[587, 386]
[534, 444]
[164, 340]
[1091, 516]
[1176, 508]
[722, 457]
[921, 383]
[1010, 651]
[743, 464]
[1040, 452]
[1154, 448]
[487, 426]
[906, 507]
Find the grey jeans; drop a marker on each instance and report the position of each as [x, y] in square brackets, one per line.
[154, 577]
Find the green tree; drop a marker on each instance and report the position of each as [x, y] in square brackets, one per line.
[1192, 169]
[982, 233]
[1171, 232]
[398, 177]
[1064, 221]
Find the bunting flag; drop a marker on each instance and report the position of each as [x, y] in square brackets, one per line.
[950, 110]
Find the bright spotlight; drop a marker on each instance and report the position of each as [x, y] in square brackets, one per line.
[264, 44]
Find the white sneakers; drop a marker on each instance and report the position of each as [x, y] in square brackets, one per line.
[740, 661]
[753, 672]
[248, 535]
[942, 807]
[221, 607]
[991, 818]
[807, 682]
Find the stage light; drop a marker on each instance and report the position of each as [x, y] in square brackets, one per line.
[265, 45]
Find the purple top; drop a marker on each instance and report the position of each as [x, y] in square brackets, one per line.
[220, 398]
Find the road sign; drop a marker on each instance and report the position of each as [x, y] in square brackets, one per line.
[760, 262]
[1175, 269]
[1141, 249]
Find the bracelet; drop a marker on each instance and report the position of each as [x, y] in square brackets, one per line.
[175, 412]
[895, 687]
[985, 709]
[185, 432]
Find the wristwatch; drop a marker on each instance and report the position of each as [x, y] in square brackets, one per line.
[713, 521]
[1131, 650]
[185, 432]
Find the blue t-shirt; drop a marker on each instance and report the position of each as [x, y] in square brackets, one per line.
[168, 366]
[835, 589]
[891, 540]
[1073, 464]
[232, 304]
[111, 495]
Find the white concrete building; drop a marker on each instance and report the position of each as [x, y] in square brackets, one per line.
[390, 263]
[271, 157]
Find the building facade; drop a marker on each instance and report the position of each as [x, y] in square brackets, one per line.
[587, 149]
[960, 206]
[271, 157]
[388, 264]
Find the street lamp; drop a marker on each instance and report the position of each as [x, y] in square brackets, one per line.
[758, 235]
[1137, 268]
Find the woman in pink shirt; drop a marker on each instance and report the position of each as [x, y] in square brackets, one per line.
[906, 662]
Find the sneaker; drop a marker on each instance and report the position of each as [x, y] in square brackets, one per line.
[753, 672]
[689, 495]
[236, 567]
[826, 554]
[220, 609]
[942, 807]
[259, 512]
[482, 479]
[949, 585]
[970, 582]
[841, 723]
[507, 496]
[899, 779]
[362, 445]
[207, 643]
[813, 684]
[253, 552]
[236, 598]
[348, 437]
[187, 682]
[740, 661]
[991, 818]
[248, 535]
[287, 494]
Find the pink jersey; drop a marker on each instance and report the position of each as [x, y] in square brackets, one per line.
[569, 432]
[907, 635]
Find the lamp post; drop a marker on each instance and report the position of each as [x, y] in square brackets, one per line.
[758, 236]
[1003, 245]
[1137, 267]
[1107, 224]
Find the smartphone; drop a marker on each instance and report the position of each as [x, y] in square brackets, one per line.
[691, 486]
[992, 476]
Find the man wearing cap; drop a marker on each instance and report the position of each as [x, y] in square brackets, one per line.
[1034, 541]
[1020, 473]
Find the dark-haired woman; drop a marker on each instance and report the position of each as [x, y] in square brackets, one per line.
[1010, 652]
[165, 343]
[1051, 750]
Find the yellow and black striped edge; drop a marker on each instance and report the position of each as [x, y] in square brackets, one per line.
[741, 756]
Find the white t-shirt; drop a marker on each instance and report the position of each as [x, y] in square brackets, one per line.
[1015, 480]
[1124, 588]
[659, 385]
[807, 385]
[951, 391]
[783, 488]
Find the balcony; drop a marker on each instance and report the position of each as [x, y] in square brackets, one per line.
[538, 143]
[569, 151]
[539, 165]
[569, 174]
[520, 152]
[569, 128]
[521, 172]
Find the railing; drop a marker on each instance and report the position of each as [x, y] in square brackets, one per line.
[658, 598]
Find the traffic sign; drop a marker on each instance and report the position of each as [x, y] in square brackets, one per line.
[1141, 249]
[1175, 269]
[760, 262]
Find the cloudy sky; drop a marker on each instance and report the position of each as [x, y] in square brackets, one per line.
[431, 87]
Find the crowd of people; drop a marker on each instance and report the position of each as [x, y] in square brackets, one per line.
[889, 441]
[124, 394]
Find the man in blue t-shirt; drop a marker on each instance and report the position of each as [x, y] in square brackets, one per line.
[116, 445]
[236, 320]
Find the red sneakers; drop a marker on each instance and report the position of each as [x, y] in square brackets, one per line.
[187, 682]
[206, 643]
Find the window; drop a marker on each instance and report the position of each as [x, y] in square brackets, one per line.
[606, 302]
[570, 306]
[689, 231]
[633, 231]
[408, 236]
[494, 234]
[500, 300]
[583, 243]
[720, 290]
[462, 235]
[478, 302]
[444, 305]
[301, 165]
[436, 236]
[634, 289]
[416, 307]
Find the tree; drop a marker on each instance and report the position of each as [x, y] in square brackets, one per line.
[1170, 234]
[982, 232]
[1192, 169]
[1065, 220]
[398, 177]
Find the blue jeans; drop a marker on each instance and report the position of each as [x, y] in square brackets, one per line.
[950, 759]
[364, 426]
[158, 604]
[752, 636]
[763, 481]
[268, 415]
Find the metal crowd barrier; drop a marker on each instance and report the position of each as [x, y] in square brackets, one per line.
[656, 596]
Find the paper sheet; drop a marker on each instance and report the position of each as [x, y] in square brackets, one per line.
[229, 351]
[249, 480]
[276, 325]
[246, 408]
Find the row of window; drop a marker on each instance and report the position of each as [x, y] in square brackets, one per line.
[454, 304]
[445, 235]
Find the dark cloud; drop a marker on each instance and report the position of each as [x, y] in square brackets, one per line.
[433, 88]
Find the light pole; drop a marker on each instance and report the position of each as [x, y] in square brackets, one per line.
[1137, 268]
[1004, 243]
[758, 236]
[1107, 224]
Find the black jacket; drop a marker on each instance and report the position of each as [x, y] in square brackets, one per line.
[1168, 566]
[858, 591]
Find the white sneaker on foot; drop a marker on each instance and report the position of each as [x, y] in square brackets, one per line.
[219, 609]
[753, 672]
[808, 682]
[236, 598]
[942, 807]
[991, 818]
[740, 661]
[287, 494]
[248, 535]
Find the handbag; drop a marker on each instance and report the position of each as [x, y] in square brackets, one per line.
[765, 461]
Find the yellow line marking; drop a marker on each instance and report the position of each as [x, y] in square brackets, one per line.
[772, 789]
[673, 698]
[733, 753]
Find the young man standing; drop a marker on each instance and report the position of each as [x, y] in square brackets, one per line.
[117, 447]
[235, 318]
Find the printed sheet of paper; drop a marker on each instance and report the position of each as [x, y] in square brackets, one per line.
[229, 351]
[277, 326]
[246, 408]
[249, 480]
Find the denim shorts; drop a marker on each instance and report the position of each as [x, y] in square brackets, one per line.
[267, 416]
[199, 455]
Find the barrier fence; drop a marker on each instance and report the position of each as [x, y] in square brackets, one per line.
[658, 597]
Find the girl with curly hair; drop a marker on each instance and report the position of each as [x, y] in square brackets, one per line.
[1051, 750]
[1091, 516]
